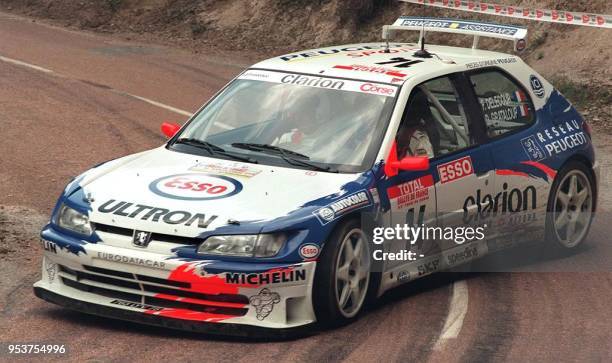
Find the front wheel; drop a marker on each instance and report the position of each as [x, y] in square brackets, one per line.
[342, 277]
[571, 206]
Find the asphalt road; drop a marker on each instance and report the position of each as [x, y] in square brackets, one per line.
[69, 100]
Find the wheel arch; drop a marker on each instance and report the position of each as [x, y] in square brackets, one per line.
[586, 161]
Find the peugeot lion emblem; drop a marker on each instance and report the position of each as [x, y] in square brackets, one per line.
[141, 238]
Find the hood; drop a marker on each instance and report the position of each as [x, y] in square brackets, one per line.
[169, 192]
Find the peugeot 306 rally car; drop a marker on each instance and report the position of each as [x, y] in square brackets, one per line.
[260, 210]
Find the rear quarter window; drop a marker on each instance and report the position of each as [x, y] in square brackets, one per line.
[505, 104]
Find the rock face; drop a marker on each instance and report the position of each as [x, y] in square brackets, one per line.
[268, 27]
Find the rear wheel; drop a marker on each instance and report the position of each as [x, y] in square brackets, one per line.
[342, 278]
[571, 206]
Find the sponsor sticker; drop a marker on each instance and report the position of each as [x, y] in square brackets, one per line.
[309, 251]
[371, 69]
[403, 275]
[491, 62]
[51, 269]
[321, 82]
[264, 303]
[232, 169]
[136, 305]
[506, 201]
[561, 138]
[428, 267]
[532, 148]
[464, 255]
[365, 48]
[195, 186]
[411, 192]
[154, 214]
[131, 260]
[455, 169]
[264, 278]
[376, 89]
[536, 86]
[449, 24]
[342, 206]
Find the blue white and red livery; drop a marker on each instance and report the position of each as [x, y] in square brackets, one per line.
[259, 211]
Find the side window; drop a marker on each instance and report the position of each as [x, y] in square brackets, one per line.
[505, 104]
[434, 121]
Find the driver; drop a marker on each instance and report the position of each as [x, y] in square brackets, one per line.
[412, 138]
[304, 122]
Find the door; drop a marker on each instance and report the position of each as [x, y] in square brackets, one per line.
[522, 178]
[464, 172]
[449, 194]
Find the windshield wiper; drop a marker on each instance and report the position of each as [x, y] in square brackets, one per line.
[289, 156]
[213, 149]
[265, 147]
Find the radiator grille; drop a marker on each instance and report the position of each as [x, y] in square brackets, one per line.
[151, 290]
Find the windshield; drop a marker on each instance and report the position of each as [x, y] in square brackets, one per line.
[271, 117]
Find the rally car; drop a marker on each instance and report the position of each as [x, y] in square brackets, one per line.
[263, 209]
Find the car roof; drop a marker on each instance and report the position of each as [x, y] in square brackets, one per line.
[362, 61]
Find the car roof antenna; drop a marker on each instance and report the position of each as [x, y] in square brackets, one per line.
[422, 53]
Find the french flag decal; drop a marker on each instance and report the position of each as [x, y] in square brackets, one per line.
[521, 99]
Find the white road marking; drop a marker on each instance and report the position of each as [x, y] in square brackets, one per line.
[24, 64]
[456, 313]
[143, 99]
[161, 105]
[176, 110]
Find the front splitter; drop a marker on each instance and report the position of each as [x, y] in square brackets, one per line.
[225, 329]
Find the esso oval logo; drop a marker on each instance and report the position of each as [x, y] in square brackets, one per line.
[309, 251]
[195, 186]
[372, 88]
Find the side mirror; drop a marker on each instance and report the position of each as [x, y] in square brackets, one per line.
[410, 163]
[169, 129]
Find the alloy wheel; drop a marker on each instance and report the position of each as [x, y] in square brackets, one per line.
[573, 208]
[352, 273]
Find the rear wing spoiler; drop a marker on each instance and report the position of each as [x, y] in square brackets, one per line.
[477, 29]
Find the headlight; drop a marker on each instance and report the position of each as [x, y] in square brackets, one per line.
[253, 245]
[72, 220]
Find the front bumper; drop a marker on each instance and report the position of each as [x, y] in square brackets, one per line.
[170, 323]
[160, 289]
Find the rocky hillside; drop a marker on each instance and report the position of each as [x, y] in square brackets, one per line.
[579, 59]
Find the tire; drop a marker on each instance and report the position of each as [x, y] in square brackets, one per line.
[341, 286]
[571, 206]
